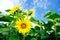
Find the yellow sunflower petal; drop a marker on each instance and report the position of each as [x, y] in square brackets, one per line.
[14, 9]
[32, 12]
[23, 26]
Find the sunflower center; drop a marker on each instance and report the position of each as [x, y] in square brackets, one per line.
[23, 25]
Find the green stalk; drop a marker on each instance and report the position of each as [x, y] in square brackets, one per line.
[40, 32]
[23, 37]
[55, 29]
[55, 33]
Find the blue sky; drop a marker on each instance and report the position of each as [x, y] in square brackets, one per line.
[41, 6]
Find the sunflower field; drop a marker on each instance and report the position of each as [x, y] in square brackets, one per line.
[21, 25]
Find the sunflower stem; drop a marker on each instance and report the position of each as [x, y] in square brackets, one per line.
[55, 29]
[40, 32]
[24, 37]
[55, 33]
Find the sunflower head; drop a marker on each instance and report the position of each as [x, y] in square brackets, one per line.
[23, 26]
[31, 13]
[14, 9]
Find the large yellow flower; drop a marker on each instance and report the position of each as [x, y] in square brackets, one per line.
[23, 26]
[14, 9]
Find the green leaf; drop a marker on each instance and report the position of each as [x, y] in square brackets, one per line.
[32, 32]
[49, 13]
[0, 12]
[58, 36]
[22, 17]
[41, 22]
[33, 20]
[2, 30]
[37, 29]
[6, 18]
[3, 25]
[7, 10]
[33, 39]
[58, 28]
[52, 10]
[48, 25]
[58, 21]
[54, 16]
[44, 36]
[13, 37]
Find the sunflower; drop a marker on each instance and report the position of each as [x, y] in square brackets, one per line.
[23, 26]
[14, 9]
[31, 13]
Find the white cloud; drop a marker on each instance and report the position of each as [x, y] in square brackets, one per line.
[16, 2]
[58, 8]
[23, 3]
[40, 3]
[6, 4]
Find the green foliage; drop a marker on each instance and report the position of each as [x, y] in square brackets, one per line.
[13, 37]
[49, 13]
[55, 20]
[2, 30]
[0, 12]
[54, 16]
[34, 20]
[7, 10]
[33, 39]
[7, 18]
[41, 31]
